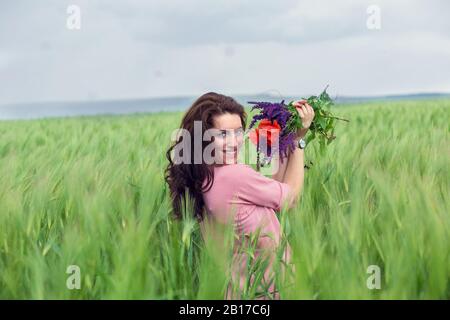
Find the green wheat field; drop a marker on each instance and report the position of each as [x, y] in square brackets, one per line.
[89, 192]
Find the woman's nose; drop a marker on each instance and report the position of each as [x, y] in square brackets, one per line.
[232, 140]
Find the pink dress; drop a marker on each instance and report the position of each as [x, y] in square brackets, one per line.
[248, 199]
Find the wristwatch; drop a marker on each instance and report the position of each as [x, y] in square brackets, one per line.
[301, 144]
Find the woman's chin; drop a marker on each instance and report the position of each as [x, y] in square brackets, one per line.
[229, 158]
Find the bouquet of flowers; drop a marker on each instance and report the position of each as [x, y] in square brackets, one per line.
[281, 121]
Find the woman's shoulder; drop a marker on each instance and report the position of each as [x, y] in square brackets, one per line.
[235, 174]
[237, 168]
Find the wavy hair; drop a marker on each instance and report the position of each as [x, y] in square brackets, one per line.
[186, 180]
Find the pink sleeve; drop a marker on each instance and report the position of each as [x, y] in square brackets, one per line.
[255, 188]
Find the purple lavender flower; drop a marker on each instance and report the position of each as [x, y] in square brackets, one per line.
[280, 113]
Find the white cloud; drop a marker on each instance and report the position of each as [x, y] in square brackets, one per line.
[159, 48]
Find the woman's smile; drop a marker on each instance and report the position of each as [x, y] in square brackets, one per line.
[233, 150]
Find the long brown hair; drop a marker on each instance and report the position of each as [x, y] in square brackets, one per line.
[186, 179]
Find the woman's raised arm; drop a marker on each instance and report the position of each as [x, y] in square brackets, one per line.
[279, 174]
[295, 171]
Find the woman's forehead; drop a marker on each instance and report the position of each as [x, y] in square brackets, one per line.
[227, 121]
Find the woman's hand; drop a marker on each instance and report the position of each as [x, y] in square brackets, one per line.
[306, 113]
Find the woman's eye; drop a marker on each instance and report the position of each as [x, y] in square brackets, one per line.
[237, 132]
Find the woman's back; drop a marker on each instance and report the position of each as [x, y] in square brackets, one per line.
[248, 200]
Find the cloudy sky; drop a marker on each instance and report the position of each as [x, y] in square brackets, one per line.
[136, 49]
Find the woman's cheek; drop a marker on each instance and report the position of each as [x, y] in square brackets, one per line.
[218, 143]
[240, 141]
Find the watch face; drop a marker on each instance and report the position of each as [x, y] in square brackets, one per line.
[302, 144]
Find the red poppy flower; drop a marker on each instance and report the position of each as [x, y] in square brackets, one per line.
[266, 128]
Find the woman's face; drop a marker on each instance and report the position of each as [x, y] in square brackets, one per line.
[228, 137]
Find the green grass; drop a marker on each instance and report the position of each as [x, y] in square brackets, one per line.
[89, 191]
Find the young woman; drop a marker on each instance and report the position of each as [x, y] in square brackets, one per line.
[223, 191]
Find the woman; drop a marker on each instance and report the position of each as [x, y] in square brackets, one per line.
[222, 191]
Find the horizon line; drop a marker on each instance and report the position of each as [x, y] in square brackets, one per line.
[336, 97]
